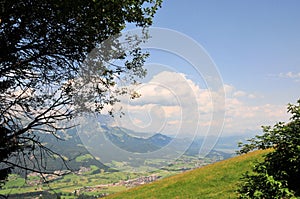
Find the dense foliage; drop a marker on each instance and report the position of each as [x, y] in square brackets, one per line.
[278, 176]
[43, 45]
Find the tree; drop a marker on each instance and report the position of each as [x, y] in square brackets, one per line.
[46, 76]
[278, 176]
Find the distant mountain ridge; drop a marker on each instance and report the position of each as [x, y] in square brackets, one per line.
[159, 140]
[121, 138]
[128, 140]
[77, 154]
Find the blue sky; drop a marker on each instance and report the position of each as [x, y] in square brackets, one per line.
[255, 46]
[251, 42]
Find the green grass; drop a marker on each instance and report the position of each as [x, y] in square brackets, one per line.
[218, 180]
[69, 183]
[15, 181]
[83, 158]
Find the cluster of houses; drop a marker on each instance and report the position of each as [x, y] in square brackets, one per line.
[44, 177]
[58, 174]
[51, 177]
[127, 183]
[138, 181]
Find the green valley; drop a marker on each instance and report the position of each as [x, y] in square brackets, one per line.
[215, 180]
[218, 180]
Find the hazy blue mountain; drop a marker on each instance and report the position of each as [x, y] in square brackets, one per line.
[159, 140]
[124, 139]
[71, 146]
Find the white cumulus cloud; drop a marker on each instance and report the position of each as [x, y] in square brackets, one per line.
[290, 75]
[170, 103]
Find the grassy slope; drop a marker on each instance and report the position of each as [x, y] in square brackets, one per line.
[217, 180]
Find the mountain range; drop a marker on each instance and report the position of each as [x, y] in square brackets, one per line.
[78, 154]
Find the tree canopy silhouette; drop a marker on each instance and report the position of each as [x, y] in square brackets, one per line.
[278, 176]
[43, 45]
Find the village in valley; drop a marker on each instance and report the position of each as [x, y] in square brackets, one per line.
[93, 181]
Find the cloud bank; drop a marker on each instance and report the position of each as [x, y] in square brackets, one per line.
[173, 104]
[289, 75]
